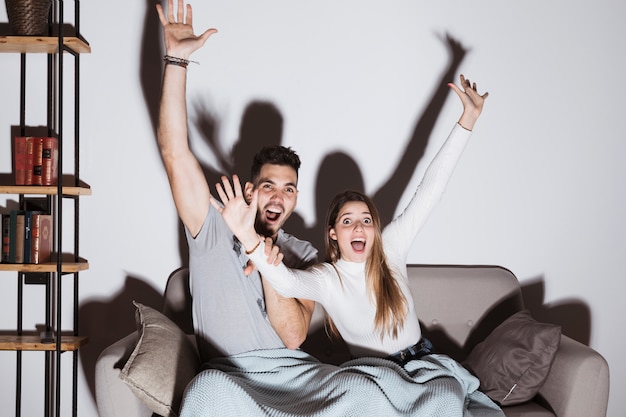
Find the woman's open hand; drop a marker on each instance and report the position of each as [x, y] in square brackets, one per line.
[472, 102]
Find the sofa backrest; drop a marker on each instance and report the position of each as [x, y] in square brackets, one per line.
[177, 300]
[458, 306]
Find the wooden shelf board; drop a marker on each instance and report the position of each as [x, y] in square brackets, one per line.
[68, 267]
[82, 189]
[33, 342]
[41, 44]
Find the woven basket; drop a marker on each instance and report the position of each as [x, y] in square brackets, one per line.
[28, 17]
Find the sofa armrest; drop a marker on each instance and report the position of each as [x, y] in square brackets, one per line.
[578, 383]
[113, 397]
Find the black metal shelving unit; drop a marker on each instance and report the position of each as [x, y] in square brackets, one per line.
[61, 42]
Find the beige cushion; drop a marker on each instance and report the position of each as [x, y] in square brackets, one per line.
[162, 364]
[514, 361]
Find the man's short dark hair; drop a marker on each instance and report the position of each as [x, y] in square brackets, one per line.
[274, 155]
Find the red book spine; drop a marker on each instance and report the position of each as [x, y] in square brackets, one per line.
[37, 160]
[19, 160]
[50, 159]
[41, 238]
[28, 162]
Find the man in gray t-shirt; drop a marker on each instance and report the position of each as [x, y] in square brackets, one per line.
[234, 310]
[230, 310]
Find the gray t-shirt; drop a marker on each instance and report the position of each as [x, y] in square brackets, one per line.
[228, 307]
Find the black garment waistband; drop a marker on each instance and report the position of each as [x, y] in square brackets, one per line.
[417, 351]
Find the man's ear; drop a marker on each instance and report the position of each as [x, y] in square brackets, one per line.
[247, 190]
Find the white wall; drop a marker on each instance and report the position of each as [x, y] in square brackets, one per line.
[539, 189]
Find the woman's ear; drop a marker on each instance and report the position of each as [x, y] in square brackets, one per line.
[332, 234]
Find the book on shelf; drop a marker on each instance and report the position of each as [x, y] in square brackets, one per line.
[19, 238]
[19, 160]
[50, 161]
[12, 235]
[35, 160]
[28, 161]
[27, 237]
[6, 228]
[28, 227]
[23, 160]
[41, 238]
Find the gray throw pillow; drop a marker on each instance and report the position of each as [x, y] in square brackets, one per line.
[514, 361]
[163, 362]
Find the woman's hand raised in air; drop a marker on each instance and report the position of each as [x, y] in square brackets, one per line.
[472, 102]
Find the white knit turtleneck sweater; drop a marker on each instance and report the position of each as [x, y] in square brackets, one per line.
[346, 300]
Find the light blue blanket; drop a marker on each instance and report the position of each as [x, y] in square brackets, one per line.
[287, 383]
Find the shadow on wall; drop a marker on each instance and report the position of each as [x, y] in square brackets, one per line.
[107, 321]
[339, 172]
[574, 316]
[262, 124]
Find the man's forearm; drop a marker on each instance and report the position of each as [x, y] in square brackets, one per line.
[172, 127]
[289, 317]
[186, 177]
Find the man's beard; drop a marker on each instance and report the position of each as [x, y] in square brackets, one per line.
[262, 229]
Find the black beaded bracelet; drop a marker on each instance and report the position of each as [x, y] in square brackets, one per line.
[181, 62]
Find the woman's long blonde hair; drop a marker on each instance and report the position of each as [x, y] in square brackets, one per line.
[391, 304]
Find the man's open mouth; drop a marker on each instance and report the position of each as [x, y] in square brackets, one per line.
[272, 214]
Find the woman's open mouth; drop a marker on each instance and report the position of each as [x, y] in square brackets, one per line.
[358, 245]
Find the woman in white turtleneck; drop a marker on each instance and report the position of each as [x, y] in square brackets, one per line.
[363, 284]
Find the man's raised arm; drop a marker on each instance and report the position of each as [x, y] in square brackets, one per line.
[187, 181]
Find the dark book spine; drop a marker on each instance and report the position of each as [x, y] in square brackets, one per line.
[12, 235]
[6, 227]
[28, 233]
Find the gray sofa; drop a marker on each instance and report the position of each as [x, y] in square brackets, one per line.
[458, 306]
